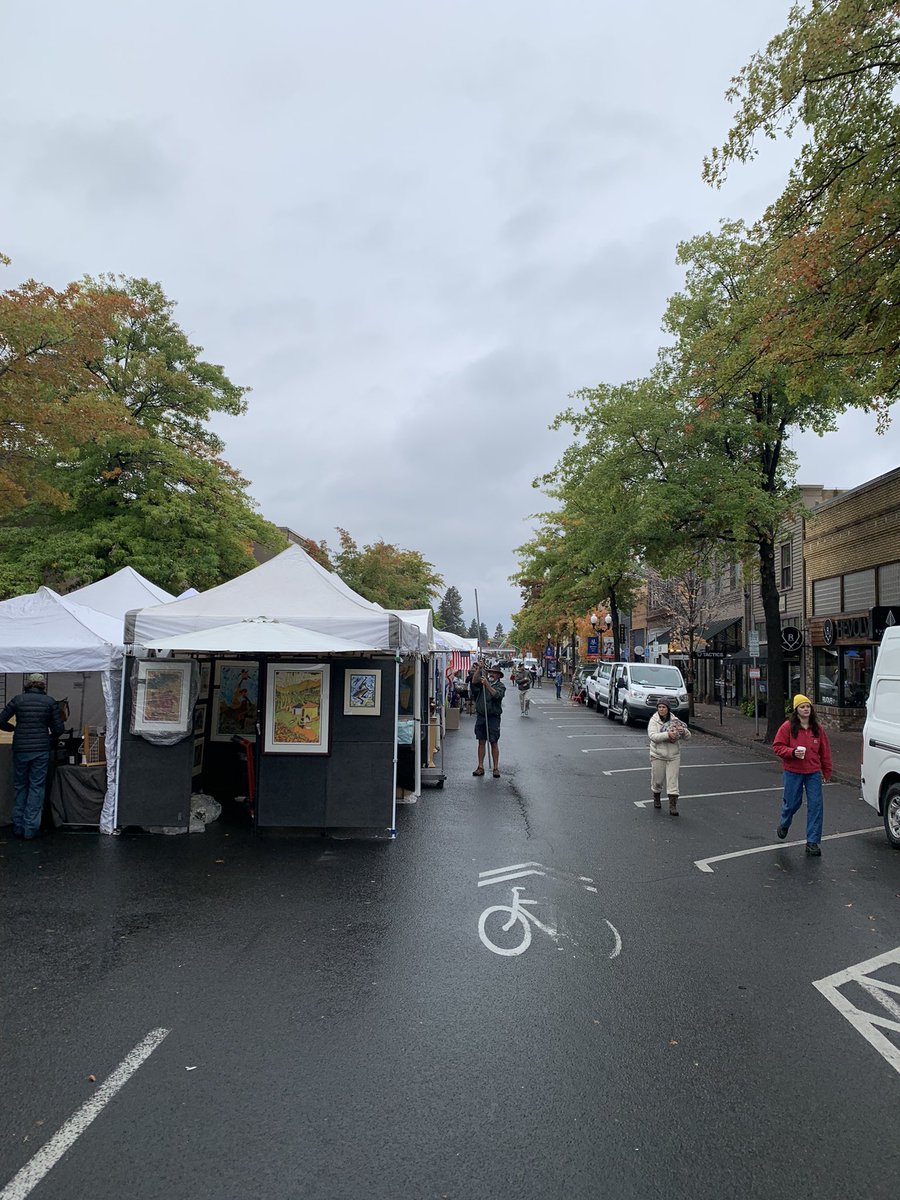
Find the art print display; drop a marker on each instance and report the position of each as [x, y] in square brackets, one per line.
[163, 695]
[235, 701]
[297, 697]
[205, 672]
[199, 719]
[362, 693]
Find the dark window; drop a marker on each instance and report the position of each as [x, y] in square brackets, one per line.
[786, 567]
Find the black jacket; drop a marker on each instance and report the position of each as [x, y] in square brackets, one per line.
[38, 722]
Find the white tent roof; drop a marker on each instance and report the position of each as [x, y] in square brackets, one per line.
[119, 593]
[451, 641]
[291, 588]
[261, 635]
[423, 619]
[47, 632]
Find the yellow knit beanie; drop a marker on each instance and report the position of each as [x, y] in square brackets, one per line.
[798, 700]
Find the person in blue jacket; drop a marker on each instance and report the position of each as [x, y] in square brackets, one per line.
[38, 725]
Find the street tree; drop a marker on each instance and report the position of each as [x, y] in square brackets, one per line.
[832, 73]
[472, 631]
[150, 489]
[450, 613]
[385, 574]
[499, 635]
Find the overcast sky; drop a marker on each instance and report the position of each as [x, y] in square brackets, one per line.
[412, 227]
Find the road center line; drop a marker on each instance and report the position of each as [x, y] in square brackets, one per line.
[687, 766]
[702, 864]
[50, 1153]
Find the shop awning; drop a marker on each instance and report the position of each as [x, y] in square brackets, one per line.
[261, 636]
[743, 656]
[714, 628]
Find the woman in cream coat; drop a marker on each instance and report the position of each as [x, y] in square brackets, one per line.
[666, 735]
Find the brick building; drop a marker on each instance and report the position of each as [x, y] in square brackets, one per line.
[852, 563]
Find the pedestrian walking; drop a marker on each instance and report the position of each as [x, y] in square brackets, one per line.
[558, 682]
[522, 681]
[488, 691]
[802, 745]
[666, 734]
[38, 725]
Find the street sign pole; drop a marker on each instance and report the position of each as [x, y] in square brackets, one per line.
[756, 700]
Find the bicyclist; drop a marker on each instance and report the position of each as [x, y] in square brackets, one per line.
[523, 683]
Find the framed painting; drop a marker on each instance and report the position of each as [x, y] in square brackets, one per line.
[297, 699]
[199, 719]
[162, 702]
[198, 757]
[362, 693]
[205, 672]
[235, 701]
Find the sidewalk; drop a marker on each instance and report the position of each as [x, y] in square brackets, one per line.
[741, 731]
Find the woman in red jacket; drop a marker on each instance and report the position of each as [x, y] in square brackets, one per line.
[802, 745]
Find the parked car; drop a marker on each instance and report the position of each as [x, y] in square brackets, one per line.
[881, 737]
[598, 686]
[635, 689]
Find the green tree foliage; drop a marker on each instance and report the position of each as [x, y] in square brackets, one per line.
[472, 631]
[450, 613]
[483, 634]
[832, 233]
[387, 575]
[151, 490]
[499, 635]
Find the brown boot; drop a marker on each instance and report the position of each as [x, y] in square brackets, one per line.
[657, 800]
[673, 805]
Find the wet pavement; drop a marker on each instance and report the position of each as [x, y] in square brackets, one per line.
[350, 1017]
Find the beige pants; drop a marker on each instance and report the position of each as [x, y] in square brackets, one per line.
[665, 771]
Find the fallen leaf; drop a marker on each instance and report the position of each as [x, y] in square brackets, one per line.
[39, 1122]
[92, 1078]
[220, 860]
[672, 1042]
[190, 1068]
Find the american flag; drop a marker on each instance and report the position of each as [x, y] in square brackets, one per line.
[459, 661]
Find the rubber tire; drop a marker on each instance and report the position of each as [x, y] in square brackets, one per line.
[892, 798]
[589, 703]
[610, 715]
[627, 718]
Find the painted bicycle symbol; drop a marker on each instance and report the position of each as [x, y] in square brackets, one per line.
[516, 912]
[492, 925]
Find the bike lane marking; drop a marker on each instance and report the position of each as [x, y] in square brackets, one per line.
[49, 1154]
[702, 864]
[883, 992]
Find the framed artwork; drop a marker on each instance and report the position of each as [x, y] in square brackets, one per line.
[205, 672]
[362, 693]
[198, 757]
[297, 697]
[235, 701]
[162, 703]
[199, 719]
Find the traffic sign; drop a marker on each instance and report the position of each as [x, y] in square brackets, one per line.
[754, 644]
[754, 672]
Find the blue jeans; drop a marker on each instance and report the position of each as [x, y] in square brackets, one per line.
[793, 798]
[30, 776]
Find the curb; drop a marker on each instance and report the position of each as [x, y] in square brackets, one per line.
[837, 776]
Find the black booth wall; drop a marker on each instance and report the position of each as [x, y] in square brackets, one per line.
[350, 787]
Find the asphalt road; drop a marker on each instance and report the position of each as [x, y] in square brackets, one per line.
[338, 1028]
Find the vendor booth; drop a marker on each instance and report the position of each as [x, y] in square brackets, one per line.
[281, 689]
[76, 640]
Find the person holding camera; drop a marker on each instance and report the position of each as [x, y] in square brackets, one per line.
[666, 734]
[802, 745]
[488, 691]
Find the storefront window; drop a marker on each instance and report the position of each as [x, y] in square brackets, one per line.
[828, 677]
[843, 676]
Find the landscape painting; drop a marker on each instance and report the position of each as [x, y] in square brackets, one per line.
[297, 697]
[163, 697]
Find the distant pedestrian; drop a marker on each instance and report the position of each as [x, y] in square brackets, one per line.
[38, 725]
[666, 734]
[488, 691]
[558, 682]
[802, 745]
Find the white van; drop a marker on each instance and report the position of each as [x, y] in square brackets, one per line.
[881, 737]
[635, 689]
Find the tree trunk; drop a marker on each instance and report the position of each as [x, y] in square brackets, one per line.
[614, 613]
[691, 673]
[768, 585]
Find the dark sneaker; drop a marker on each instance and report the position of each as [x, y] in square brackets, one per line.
[812, 849]
[781, 831]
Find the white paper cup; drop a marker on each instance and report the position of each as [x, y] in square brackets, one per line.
[801, 752]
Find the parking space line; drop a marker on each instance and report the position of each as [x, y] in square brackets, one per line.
[50, 1154]
[702, 864]
[693, 766]
[711, 795]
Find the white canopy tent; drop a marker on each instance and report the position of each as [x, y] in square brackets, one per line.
[260, 635]
[291, 588]
[120, 593]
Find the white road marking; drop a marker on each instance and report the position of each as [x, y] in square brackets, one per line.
[49, 1154]
[593, 735]
[866, 1023]
[617, 949]
[702, 864]
[707, 795]
[691, 766]
[604, 749]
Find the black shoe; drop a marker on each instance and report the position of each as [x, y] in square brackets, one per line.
[18, 831]
[812, 849]
[781, 831]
